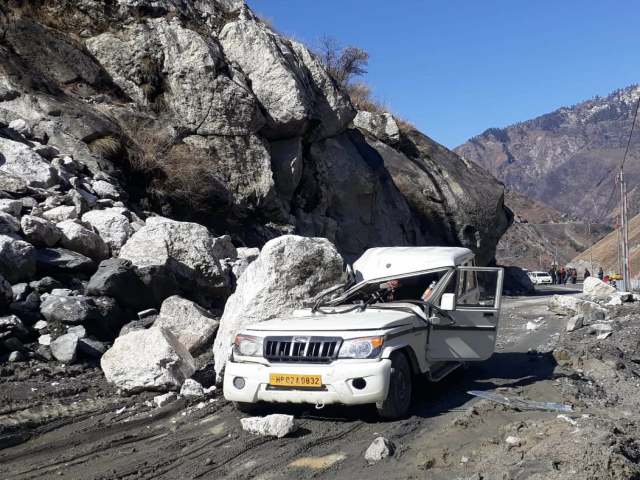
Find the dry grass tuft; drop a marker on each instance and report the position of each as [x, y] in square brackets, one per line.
[109, 147]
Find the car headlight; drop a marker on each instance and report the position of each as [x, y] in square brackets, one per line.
[247, 346]
[365, 347]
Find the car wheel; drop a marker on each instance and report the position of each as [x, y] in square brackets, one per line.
[398, 400]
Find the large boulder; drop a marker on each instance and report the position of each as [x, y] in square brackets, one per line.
[570, 306]
[17, 259]
[40, 231]
[289, 270]
[18, 160]
[187, 250]
[111, 225]
[193, 326]
[291, 85]
[165, 56]
[82, 240]
[150, 359]
[596, 289]
[65, 347]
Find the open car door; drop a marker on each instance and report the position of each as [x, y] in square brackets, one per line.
[468, 331]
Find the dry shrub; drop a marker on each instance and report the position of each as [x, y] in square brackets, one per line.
[176, 171]
[108, 147]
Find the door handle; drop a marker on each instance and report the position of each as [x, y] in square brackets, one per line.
[487, 314]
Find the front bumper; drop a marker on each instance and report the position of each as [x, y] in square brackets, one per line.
[337, 380]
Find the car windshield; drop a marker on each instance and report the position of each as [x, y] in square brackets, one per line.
[421, 286]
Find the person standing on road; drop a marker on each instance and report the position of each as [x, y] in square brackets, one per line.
[600, 273]
[563, 274]
[574, 275]
[552, 272]
[587, 274]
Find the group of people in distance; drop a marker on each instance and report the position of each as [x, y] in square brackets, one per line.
[562, 276]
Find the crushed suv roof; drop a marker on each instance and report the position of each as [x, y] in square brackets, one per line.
[391, 261]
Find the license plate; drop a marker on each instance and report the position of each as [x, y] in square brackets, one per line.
[291, 380]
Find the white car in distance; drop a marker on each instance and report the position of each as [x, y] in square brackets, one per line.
[408, 314]
[540, 278]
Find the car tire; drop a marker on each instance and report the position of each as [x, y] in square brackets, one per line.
[398, 400]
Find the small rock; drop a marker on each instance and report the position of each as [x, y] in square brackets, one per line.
[44, 352]
[71, 310]
[21, 126]
[46, 285]
[44, 339]
[575, 322]
[8, 224]
[64, 348]
[513, 441]
[275, 425]
[614, 301]
[20, 291]
[16, 356]
[380, 448]
[61, 260]
[82, 240]
[601, 330]
[104, 189]
[532, 326]
[77, 330]
[167, 398]
[191, 389]
[40, 325]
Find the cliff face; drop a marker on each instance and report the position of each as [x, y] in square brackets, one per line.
[203, 113]
[567, 158]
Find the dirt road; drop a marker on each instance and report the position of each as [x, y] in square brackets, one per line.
[71, 424]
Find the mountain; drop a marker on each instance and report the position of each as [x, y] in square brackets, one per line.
[199, 111]
[541, 235]
[567, 158]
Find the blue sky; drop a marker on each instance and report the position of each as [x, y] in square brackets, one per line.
[457, 67]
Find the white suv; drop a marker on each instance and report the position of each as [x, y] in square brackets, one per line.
[540, 278]
[408, 311]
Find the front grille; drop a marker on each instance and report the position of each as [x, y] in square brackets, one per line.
[301, 349]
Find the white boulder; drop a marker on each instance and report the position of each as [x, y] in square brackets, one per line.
[64, 348]
[379, 449]
[289, 270]
[192, 325]
[596, 289]
[191, 389]
[187, 249]
[82, 240]
[40, 231]
[151, 359]
[22, 162]
[570, 306]
[104, 189]
[275, 425]
[111, 225]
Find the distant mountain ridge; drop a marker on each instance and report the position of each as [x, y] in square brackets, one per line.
[567, 158]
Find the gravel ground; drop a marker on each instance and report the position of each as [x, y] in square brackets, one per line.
[58, 422]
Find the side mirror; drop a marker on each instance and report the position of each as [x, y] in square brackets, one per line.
[448, 302]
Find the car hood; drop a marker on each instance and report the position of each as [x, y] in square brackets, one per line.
[369, 319]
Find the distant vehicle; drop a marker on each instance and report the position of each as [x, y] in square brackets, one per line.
[540, 278]
[615, 276]
[407, 314]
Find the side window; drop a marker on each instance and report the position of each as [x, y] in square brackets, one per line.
[467, 286]
[484, 291]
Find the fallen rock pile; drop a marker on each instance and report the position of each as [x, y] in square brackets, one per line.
[74, 254]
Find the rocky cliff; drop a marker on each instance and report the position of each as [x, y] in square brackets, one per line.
[567, 158]
[199, 111]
